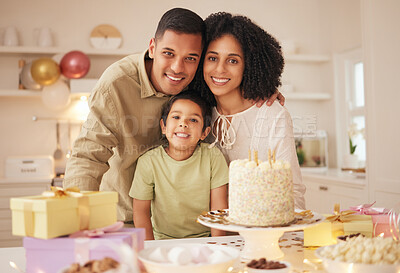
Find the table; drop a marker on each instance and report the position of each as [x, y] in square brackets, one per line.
[302, 259]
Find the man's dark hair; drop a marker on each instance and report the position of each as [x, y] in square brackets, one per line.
[181, 20]
[193, 96]
[263, 60]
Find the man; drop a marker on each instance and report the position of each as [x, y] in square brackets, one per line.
[125, 107]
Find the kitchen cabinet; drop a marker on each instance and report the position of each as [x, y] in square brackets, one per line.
[16, 188]
[324, 190]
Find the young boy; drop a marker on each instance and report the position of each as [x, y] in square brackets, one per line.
[174, 184]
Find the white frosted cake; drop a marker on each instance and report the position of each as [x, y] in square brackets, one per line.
[260, 195]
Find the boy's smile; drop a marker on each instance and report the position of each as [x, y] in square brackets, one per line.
[184, 129]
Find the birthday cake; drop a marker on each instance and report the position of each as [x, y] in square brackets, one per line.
[260, 193]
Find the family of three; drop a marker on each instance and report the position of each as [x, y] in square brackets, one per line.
[196, 86]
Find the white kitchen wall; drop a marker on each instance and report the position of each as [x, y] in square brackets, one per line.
[317, 26]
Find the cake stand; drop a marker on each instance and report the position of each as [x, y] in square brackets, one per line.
[260, 242]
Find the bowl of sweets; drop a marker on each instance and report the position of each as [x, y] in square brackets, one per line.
[189, 258]
[360, 254]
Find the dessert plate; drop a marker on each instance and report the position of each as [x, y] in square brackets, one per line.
[260, 241]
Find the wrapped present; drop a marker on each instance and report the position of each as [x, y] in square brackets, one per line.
[385, 222]
[53, 255]
[61, 212]
[341, 223]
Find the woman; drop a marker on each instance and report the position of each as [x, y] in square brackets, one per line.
[242, 63]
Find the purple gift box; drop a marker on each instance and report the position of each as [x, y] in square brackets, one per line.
[52, 255]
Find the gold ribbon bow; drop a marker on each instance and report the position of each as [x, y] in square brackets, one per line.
[341, 216]
[58, 192]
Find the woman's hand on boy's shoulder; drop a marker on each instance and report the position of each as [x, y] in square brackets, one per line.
[277, 95]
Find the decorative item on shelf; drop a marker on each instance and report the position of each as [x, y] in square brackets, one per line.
[45, 71]
[43, 37]
[300, 152]
[56, 96]
[26, 79]
[312, 151]
[105, 37]
[75, 64]
[21, 63]
[10, 37]
[350, 161]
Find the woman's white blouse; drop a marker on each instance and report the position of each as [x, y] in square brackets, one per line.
[259, 129]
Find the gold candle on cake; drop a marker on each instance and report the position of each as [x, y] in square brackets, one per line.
[269, 156]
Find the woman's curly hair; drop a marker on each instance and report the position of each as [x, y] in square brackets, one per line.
[263, 60]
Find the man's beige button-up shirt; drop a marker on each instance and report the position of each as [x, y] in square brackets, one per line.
[123, 123]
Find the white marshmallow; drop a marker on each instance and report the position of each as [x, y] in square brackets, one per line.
[179, 255]
[218, 256]
[159, 255]
[200, 254]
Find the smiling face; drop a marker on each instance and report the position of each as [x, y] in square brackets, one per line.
[223, 66]
[184, 128]
[175, 60]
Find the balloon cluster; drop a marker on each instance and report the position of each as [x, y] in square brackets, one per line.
[44, 73]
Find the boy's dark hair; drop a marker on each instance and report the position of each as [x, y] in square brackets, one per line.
[263, 60]
[182, 21]
[193, 96]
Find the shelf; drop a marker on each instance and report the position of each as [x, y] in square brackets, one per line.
[288, 96]
[34, 50]
[307, 58]
[20, 93]
[15, 93]
[307, 96]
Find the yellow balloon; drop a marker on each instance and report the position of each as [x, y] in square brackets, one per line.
[45, 71]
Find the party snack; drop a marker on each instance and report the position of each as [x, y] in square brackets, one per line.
[365, 250]
[93, 266]
[260, 193]
[262, 263]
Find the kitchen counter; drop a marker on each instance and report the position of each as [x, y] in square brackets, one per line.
[336, 176]
[302, 259]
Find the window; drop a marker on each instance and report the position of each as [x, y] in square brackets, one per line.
[350, 105]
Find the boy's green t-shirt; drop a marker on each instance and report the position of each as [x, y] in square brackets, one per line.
[179, 190]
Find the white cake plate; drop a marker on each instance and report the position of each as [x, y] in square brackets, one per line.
[260, 242]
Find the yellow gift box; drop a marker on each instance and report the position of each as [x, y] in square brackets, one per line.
[341, 223]
[62, 213]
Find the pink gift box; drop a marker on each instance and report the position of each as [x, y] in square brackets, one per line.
[381, 225]
[380, 219]
[52, 255]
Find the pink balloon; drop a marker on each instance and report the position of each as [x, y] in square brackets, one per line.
[75, 65]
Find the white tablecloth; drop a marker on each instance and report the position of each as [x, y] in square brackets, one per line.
[302, 259]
